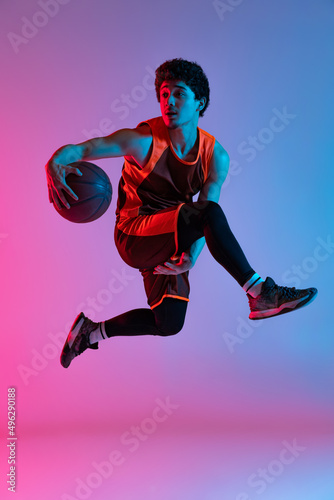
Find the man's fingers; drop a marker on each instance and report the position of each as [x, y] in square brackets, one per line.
[169, 264]
[56, 201]
[57, 186]
[73, 170]
[64, 186]
[159, 270]
[183, 265]
[63, 200]
[69, 191]
[59, 197]
[50, 194]
[167, 268]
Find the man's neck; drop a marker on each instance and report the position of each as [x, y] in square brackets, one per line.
[183, 138]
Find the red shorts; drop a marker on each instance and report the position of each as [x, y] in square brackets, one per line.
[147, 241]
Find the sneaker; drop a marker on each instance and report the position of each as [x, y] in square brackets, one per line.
[78, 340]
[274, 300]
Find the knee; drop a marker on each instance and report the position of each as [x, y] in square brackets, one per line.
[213, 211]
[204, 208]
[168, 332]
[212, 207]
[170, 316]
[170, 328]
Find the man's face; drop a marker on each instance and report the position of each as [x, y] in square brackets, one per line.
[178, 104]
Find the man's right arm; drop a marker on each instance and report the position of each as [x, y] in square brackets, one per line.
[134, 143]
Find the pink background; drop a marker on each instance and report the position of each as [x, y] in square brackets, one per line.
[67, 80]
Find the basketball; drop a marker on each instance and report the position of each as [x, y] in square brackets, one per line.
[94, 192]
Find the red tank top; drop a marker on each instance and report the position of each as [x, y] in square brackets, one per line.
[162, 186]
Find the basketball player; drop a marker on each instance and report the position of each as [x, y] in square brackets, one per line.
[159, 229]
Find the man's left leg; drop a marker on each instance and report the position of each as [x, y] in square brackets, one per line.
[266, 299]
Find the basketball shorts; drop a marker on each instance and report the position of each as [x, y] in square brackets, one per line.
[147, 241]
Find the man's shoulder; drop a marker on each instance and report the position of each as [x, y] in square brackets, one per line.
[218, 148]
[151, 122]
[155, 127]
[207, 135]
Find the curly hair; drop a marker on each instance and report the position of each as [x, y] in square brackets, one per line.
[188, 72]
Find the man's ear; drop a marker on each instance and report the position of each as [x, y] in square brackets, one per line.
[201, 103]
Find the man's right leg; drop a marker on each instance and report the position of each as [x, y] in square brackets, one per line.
[164, 320]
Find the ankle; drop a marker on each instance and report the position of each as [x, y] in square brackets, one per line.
[253, 286]
[255, 291]
[98, 334]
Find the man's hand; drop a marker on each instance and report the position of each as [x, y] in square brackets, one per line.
[56, 172]
[177, 265]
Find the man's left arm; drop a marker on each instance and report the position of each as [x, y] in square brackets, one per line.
[210, 191]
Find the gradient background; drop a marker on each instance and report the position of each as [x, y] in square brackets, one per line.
[234, 403]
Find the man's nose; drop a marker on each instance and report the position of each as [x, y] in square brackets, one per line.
[171, 100]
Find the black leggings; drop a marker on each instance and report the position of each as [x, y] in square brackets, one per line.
[164, 320]
[195, 220]
[206, 218]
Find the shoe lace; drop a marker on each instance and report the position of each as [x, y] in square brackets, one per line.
[284, 291]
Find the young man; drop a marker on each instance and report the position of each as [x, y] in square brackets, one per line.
[159, 229]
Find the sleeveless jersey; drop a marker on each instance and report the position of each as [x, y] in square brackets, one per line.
[149, 198]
